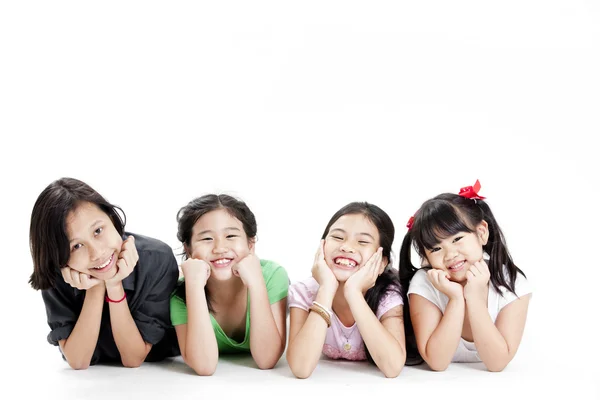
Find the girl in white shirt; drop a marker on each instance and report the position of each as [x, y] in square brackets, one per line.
[469, 301]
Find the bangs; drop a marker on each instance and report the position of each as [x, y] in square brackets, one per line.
[437, 222]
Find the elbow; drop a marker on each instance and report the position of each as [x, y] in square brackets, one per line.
[130, 363]
[201, 369]
[393, 369]
[438, 366]
[497, 367]
[78, 365]
[299, 371]
[204, 370]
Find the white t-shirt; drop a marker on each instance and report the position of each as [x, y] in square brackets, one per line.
[466, 351]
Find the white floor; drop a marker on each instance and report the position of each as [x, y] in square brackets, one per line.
[528, 376]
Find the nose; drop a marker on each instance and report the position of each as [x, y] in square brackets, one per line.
[219, 248]
[450, 254]
[346, 248]
[95, 251]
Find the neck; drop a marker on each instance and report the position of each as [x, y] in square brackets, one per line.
[224, 291]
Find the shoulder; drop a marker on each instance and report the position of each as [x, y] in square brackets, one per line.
[155, 256]
[270, 268]
[419, 280]
[148, 245]
[303, 293]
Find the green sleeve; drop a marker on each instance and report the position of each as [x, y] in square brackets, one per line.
[277, 281]
[178, 311]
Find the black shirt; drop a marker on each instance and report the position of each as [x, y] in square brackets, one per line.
[148, 289]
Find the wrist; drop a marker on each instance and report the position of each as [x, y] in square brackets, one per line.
[325, 297]
[115, 291]
[98, 290]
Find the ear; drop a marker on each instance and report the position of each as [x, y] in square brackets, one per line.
[483, 232]
[252, 244]
[384, 264]
[186, 249]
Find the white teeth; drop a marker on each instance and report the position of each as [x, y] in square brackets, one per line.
[105, 264]
[222, 261]
[457, 266]
[345, 261]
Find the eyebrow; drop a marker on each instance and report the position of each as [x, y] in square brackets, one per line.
[230, 228]
[91, 226]
[358, 234]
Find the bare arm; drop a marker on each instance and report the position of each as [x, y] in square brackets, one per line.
[437, 334]
[129, 341]
[307, 336]
[497, 344]
[79, 347]
[197, 340]
[267, 327]
[385, 338]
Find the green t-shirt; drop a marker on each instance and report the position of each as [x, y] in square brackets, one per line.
[277, 282]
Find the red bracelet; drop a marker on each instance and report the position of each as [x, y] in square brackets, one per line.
[109, 300]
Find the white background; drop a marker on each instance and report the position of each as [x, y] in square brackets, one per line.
[299, 108]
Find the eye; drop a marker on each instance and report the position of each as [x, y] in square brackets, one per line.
[435, 249]
[336, 237]
[206, 239]
[363, 242]
[456, 239]
[98, 231]
[232, 236]
[76, 247]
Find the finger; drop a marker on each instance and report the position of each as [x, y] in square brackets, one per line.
[66, 274]
[76, 281]
[322, 250]
[470, 275]
[319, 252]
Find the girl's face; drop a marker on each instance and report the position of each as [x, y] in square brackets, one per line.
[455, 254]
[219, 239]
[94, 242]
[349, 244]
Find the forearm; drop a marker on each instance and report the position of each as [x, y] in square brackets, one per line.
[387, 353]
[132, 347]
[305, 349]
[201, 350]
[491, 345]
[266, 342]
[444, 340]
[79, 347]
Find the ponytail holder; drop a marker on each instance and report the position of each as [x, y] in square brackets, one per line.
[410, 222]
[470, 192]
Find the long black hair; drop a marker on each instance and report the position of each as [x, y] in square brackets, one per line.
[388, 281]
[48, 240]
[446, 215]
[189, 214]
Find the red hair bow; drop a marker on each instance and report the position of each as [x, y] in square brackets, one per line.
[410, 222]
[470, 192]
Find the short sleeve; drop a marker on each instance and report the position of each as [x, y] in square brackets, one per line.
[522, 287]
[420, 285]
[390, 300]
[178, 310]
[62, 312]
[276, 280]
[302, 294]
[152, 315]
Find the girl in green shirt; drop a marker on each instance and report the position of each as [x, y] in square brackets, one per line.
[225, 286]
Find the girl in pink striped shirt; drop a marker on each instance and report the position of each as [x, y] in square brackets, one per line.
[351, 308]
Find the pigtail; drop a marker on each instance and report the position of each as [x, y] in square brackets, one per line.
[406, 271]
[498, 251]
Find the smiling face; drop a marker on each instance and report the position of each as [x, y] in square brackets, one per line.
[219, 239]
[457, 253]
[349, 244]
[94, 242]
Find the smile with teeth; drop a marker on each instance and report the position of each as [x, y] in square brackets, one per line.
[222, 262]
[457, 266]
[345, 262]
[106, 265]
